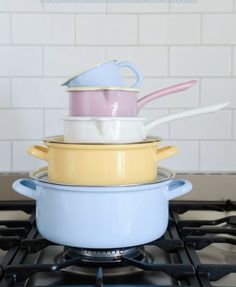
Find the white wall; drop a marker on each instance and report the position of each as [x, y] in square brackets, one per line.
[41, 44]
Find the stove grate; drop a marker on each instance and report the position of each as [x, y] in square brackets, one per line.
[19, 239]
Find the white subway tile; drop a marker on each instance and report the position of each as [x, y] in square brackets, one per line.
[5, 156]
[185, 99]
[20, 61]
[54, 124]
[66, 61]
[202, 6]
[187, 159]
[234, 124]
[39, 93]
[21, 124]
[213, 126]
[200, 61]
[4, 28]
[234, 61]
[151, 61]
[218, 156]
[43, 29]
[22, 161]
[106, 29]
[219, 29]
[152, 114]
[125, 7]
[22, 5]
[170, 29]
[4, 93]
[74, 7]
[218, 90]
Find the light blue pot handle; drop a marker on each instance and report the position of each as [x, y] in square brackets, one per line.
[26, 187]
[135, 71]
[177, 188]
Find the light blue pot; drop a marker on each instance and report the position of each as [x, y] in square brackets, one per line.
[105, 74]
[102, 217]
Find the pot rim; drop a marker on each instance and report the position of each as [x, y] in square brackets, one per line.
[59, 139]
[72, 118]
[78, 89]
[39, 173]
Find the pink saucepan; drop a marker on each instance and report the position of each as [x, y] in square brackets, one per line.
[114, 102]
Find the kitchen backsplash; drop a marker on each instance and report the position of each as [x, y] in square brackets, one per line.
[42, 43]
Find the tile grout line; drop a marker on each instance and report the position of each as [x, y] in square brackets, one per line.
[199, 155]
[168, 61]
[10, 92]
[200, 92]
[232, 60]
[75, 30]
[11, 155]
[131, 45]
[43, 56]
[120, 13]
[44, 122]
[232, 124]
[201, 29]
[10, 28]
[138, 30]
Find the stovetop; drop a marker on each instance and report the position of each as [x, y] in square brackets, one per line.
[198, 248]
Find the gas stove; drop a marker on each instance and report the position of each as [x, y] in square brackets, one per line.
[198, 249]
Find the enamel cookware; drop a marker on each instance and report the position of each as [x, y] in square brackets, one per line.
[123, 129]
[100, 164]
[102, 217]
[104, 74]
[114, 102]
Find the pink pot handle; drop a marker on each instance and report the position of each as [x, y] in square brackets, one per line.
[164, 92]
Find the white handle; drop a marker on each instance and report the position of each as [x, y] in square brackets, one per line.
[185, 114]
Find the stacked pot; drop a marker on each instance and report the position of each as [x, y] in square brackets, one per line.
[103, 187]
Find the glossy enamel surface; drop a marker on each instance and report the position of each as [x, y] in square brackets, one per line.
[101, 165]
[122, 129]
[104, 74]
[102, 217]
[114, 102]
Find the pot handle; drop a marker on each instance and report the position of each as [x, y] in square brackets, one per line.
[134, 70]
[177, 188]
[186, 114]
[164, 92]
[165, 152]
[38, 151]
[26, 187]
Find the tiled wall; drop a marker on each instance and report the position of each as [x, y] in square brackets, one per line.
[41, 44]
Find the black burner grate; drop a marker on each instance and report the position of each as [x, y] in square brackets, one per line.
[19, 240]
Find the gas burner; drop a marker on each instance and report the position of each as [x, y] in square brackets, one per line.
[106, 256]
[109, 259]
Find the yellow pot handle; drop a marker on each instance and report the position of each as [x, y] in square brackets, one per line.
[38, 151]
[165, 152]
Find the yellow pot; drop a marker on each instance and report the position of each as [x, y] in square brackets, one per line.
[100, 164]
